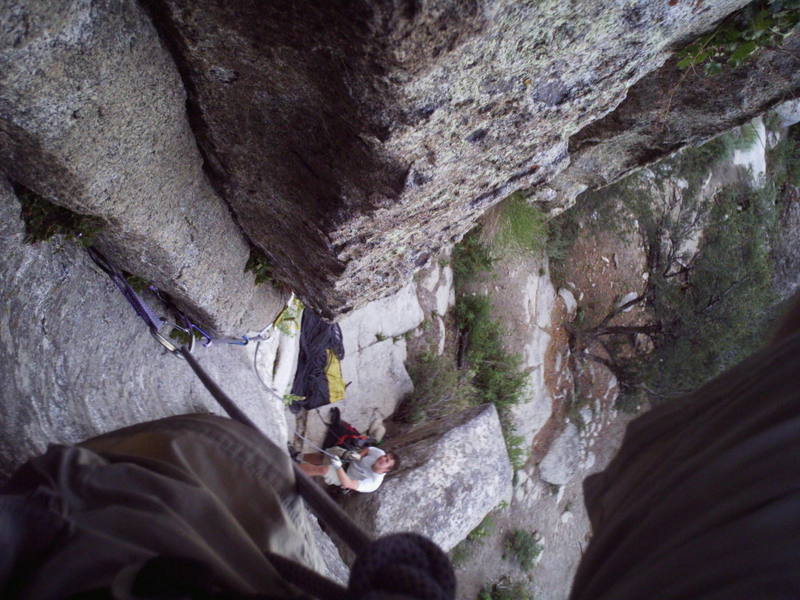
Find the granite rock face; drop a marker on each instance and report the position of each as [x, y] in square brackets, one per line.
[76, 361]
[668, 110]
[93, 118]
[564, 457]
[787, 247]
[453, 473]
[353, 141]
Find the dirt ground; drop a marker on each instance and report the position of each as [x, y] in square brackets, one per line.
[601, 268]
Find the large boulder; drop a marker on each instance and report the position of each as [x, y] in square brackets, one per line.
[76, 361]
[454, 472]
[670, 109]
[389, 317]
[563, 459]
[537, 302]
[93, 118]
[355, 140]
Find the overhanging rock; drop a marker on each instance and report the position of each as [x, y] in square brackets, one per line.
[454, 472]
[354, 140]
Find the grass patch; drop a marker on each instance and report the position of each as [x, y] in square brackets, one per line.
[465, 548]
[521, 226]
[259, 265]
[523, 547]
[43, 220]
[440, 389]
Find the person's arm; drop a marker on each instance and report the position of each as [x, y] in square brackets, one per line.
[344, 479]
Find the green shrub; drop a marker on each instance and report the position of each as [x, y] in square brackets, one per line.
[43, 220]
[693, 163]
[517, 455]
[744, 137]
[470, 309]
[461, 553]
[521, 226]
[720, 314]
[184, 336]
[496, 374]
[483, 530]
[259, 265]
[760, 24]
[496, 370]
[464, 549]
[563, 231]
[440, 389]
[523, 547]
[505, 590]
[783, 161]
[139, 284]
[470, 257]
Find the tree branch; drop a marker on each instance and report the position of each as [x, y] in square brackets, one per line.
[619, 310]
[625, 329]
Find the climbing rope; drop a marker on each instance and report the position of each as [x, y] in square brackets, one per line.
[405, 565]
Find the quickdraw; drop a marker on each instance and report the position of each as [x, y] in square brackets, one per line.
[159, 325]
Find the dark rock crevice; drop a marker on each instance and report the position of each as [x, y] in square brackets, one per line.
[92, 118]
[352, 139]
[312, 90]
[310, 119]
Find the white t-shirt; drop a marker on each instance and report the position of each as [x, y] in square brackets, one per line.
[361, 471]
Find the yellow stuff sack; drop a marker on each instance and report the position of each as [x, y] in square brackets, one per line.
[333, 372]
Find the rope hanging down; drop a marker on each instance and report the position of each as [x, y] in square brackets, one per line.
[404, 565]
[323, 506]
